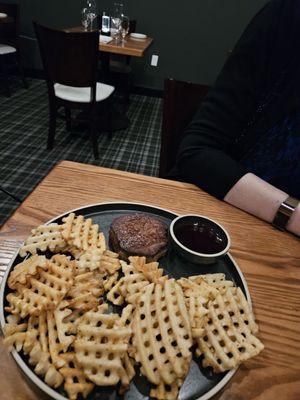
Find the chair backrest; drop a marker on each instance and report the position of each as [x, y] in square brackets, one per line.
[9, 31]
[181, 101]
[132, 26]
[69, 58]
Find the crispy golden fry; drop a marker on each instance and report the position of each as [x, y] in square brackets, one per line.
[43, 367]
[75, 380]
[25, 269]
[151, 271]
[81, 233]
[100, 345]
[217, 281]
[58, 317]
[64, 328]
[228, 338]
[55, 348]
[137, 275]
[162, 333]
[43, 238]
[15, 336]
[44, 290]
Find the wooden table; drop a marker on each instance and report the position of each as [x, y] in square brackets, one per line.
[132, 47]
[269, 259]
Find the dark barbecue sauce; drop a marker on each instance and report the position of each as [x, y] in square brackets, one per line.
[200, 238]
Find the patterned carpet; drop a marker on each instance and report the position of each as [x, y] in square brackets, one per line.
[23, 133]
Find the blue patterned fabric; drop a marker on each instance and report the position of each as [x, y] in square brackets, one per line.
[276, 156]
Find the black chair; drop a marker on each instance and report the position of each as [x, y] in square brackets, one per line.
[9, 44]
[181, 101]
[70, 62]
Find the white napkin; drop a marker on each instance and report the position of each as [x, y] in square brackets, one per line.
[105, 39]
[3, 15]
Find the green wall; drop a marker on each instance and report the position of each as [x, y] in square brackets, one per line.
[191, 38]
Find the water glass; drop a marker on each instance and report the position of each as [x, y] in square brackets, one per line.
[124, 27]
[85, 18]
[116, 27]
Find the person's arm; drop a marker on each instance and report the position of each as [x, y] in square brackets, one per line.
[261, 199]
[205, 156]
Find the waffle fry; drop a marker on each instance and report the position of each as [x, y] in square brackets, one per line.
[228, 338]
[24, 270]
[217, 281]
[109, 281]
[129, 372]
[199, 289]
[44, 290]
[64, 328]
[58, 317]
[110, 262]
[94, 259]
[151, 271]
[75, 381]
[81, 233]
[197, 313]
[100, 346]
[44, 237]
[115, 295]
[86, 282]
[162, 334]
[55, 347]
[43, 367]
[31, 346]
[137, 275]
[166, 392]
[43, 331]
[15, 336]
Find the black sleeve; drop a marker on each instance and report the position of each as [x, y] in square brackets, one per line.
[206, 155]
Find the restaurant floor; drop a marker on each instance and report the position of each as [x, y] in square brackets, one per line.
[24, 160]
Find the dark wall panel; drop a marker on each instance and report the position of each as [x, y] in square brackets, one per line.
[192, 38]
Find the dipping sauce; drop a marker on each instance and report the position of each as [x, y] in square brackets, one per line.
[200, 237]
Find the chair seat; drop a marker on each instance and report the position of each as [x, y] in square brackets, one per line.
[6, 49]
[82, 94]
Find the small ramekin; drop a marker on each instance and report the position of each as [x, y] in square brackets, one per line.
[189, 254]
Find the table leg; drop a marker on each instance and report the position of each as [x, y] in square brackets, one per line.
[119, 120]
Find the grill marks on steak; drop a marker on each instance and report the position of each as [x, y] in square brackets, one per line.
[138, 234]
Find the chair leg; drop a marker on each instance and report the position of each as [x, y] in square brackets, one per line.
[68, 119]
[94, 134]
[52, 128]
[109, 119]
[5, 76]
[21, 71]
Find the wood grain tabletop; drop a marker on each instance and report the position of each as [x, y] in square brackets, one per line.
[269, 259]
[132, 46]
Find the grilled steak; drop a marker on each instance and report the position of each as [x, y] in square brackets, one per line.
[138, 234]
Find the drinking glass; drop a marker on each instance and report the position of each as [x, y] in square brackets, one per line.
[92, 12]
[116, 27]
[85, 18]
[124, 27]
[116, 21]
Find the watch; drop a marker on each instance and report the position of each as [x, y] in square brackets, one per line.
[284, 213]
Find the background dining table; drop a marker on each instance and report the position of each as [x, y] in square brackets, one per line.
[269, 260]
[131, 47]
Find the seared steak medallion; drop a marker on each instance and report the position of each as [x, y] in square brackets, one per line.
[138, 234]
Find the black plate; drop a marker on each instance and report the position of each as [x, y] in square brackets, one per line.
[201, 383]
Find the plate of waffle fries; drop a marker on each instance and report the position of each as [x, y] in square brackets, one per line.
[81, 323]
